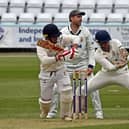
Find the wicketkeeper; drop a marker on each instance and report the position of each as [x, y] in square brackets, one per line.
[113, 58]
[51, 54]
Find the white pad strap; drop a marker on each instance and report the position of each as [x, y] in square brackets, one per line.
[45, 102]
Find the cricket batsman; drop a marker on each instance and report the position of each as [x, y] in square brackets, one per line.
[52, 55]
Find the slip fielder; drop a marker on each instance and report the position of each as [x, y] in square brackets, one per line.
[113, 58]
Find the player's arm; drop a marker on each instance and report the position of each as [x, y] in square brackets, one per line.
[105, 63]
[61, 56]
[44, 58]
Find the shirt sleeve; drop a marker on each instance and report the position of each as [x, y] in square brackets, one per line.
[43, 57]
[105, 63]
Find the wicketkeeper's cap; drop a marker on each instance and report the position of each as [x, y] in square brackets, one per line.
[75, 13]
[51, 30]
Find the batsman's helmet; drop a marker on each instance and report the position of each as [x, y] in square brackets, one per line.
[51, 30]
[102, 36]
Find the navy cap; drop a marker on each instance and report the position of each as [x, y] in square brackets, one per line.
[51, 30]
[102, 36]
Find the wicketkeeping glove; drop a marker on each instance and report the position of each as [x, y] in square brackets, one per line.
[67, 55]
[74, 53]
[62, 55]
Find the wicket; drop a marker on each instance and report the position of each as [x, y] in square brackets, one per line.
[74, 94]
[77, 81]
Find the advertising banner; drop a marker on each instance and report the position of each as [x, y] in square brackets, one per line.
[27, 36]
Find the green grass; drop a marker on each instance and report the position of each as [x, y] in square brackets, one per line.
[19, 92]
[119, 126]
[19, 86]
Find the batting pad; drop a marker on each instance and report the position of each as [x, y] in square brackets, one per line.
[66, 102]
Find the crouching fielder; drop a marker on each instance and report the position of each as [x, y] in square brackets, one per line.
[113, 58]
[52, 70]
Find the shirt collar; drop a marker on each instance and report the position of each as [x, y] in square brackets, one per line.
[78, 31]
